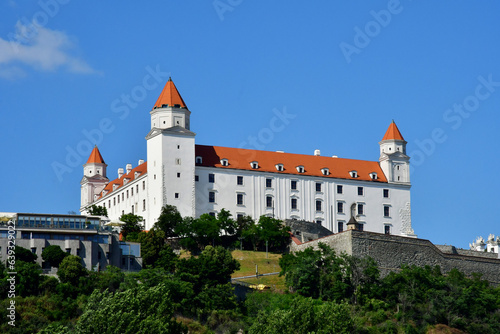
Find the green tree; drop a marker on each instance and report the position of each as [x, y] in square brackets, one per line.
[214, 266]
[152, 243]
[27, 278]
[54, 255]
[304, 316]
[198, 233]
[95, 210]
[169, 219]
[139, 310]
[71, 269]
[25, 255]
[132, 226]
[273, 232]
[226, 223]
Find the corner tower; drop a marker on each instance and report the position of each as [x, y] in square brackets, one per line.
[171, 155]
[393, 159]
[94, 177]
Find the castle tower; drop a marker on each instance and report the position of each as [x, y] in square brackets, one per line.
[171, 156]
[94, 177]
[393, 159]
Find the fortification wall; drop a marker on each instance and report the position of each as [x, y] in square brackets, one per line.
[391, 252]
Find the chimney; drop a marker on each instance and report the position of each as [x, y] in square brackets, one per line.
[120, 172]
[140, 162]
[317, 153]
[334, 156]
[129, 168]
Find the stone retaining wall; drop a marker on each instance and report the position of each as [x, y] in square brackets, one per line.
[391, 252]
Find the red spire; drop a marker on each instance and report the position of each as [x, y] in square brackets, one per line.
[95, 157]
[393, 133]
[170, 96]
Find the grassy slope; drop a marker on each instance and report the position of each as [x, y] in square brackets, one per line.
[248, 260]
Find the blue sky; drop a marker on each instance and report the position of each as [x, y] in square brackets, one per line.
[70, 71]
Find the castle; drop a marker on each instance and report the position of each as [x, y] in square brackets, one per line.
[200, 179]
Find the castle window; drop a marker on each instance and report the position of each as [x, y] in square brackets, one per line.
[340, 226]
[293, 185]
[123, 196]
[269, 183]
[239, 199]
[118, 199]
[176, 195]
[361, 209]
[318, 187]
[199, 160]
[143, 205]
[212, 214]
[373, 176]
[269, 201]
[397, 167]
[132, 191]
[318, 205]
[133, 209]
[387, 229]
[127, 193]
[211, 197]
[224, 162]
[387, 211]
[178, 147]
[177, 161]
[294, 204]
[196, 178]
[254, 164]
[178, 174]
[211, 178]
[353, 173]
[239, 180]
[340, 207]
[360, 191]
[137, 188]
[114, 200]
[361, 227]
[340, 189]
[325, 171]
[143, 185]
[300, 169]
[386, 193]
[279, 167]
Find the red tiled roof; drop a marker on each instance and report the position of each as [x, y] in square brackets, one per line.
[170, 96]
[393, 133]
[95, 156]
[142, 169]
[241, 158]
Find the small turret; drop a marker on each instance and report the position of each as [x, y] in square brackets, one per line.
[94, 177]
[393, 159]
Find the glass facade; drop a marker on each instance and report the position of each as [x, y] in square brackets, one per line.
[69, 222]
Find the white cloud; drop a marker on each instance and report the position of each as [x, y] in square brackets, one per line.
[40, 48]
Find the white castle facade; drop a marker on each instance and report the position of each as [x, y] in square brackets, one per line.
[200, 179]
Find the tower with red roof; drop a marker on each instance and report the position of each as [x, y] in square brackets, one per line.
[94, 177]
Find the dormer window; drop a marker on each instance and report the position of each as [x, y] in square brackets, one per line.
[300, 169]
[280, 168]
[373, 176]
[325, 171]
[199, 160]
[115, 186]
[224, 162]
[353, 173]
[254, 165]
[125, 181]
[136, 174]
